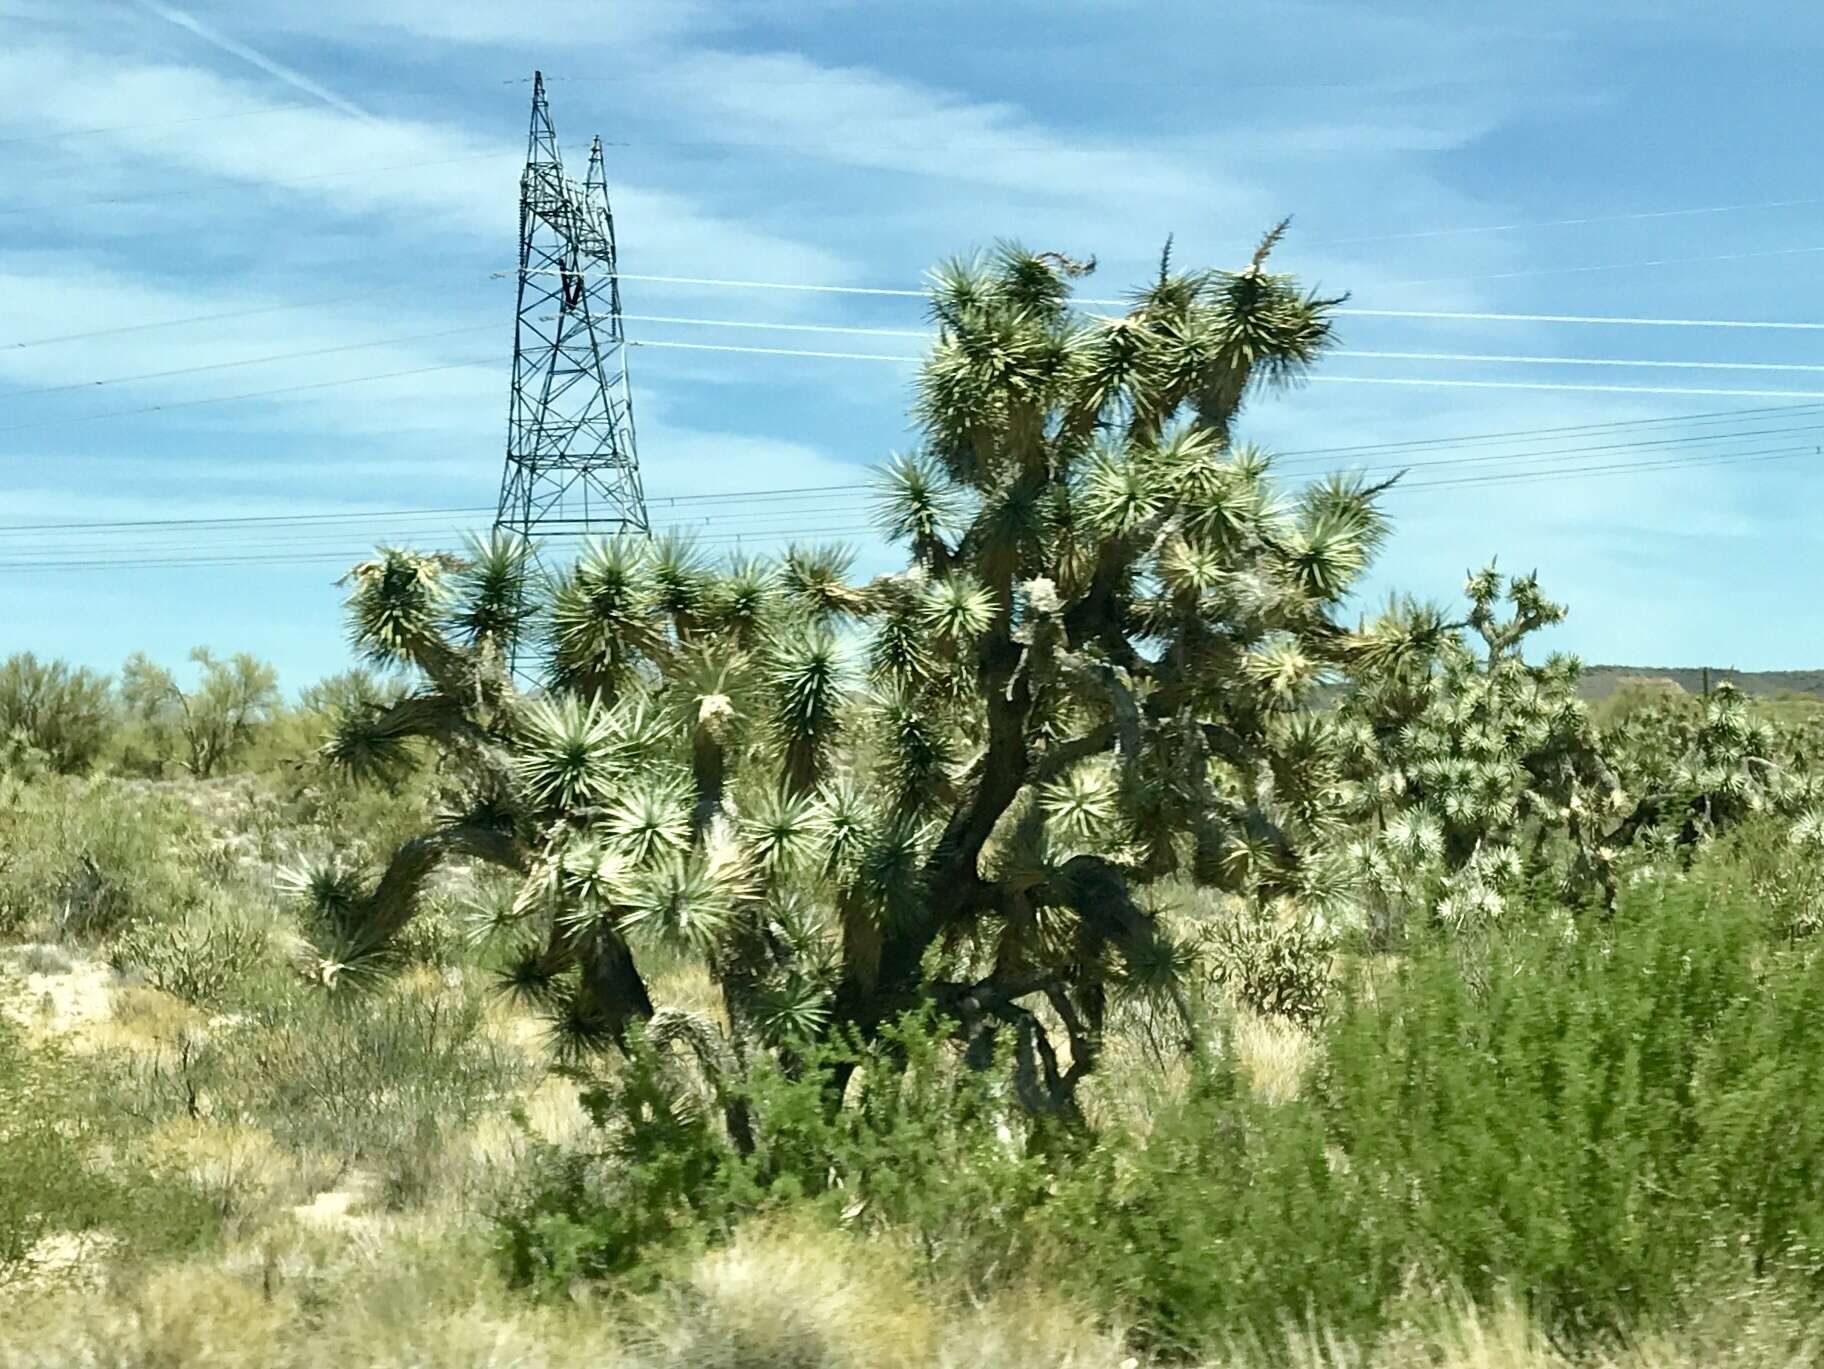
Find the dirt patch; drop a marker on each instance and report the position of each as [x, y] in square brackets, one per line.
[68, 1002]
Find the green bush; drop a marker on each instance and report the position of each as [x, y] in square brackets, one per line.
[200, 958]
[1278, 966]
[929, 1152]
[1592, 1121]
[60, 716]
[83, 858]
[69, 1164]
[375, 1081]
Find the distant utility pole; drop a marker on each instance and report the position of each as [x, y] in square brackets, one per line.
[572, 468]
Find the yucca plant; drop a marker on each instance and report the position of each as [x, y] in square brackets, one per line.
[1702, 766]
[945, 789]
[1467, 769]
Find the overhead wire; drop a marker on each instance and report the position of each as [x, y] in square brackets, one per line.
[144, 562]
[771, 525]
[20, 567]
[717, 282]
[250, 361]
[774, 326]
[1615, 266]
[652, 500]
[251, 394]
[714, 282]
[1563, 223]
[288, 181]
[763, 522]
[1419, 381]
[719, 504]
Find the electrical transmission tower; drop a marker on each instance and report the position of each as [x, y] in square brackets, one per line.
[572, 469]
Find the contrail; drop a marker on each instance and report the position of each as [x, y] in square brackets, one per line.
[291, 78]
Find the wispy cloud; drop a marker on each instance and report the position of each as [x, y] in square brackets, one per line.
[252, 56]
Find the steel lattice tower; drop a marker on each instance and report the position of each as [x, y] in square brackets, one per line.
[572, 469]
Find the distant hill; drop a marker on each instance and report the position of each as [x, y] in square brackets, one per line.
[1600, 681]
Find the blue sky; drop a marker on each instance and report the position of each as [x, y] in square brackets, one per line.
[343, 172]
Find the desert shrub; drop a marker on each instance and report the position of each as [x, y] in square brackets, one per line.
[1595, 1120]
[930, 1154]
[438, 937]
[1779, 866]
[199, 958]
[370, 1081]
[60, 716]
[71, 1166]
[1277, 965]
[205, 729]
[84, 858]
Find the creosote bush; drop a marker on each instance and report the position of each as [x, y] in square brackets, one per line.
[83, 858]
[930, 1155]
[77, 1172]
[1600, 1122]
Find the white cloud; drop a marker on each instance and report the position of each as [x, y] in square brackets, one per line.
[573, 33]
[440, 187]
[860, 117]
[252, 56]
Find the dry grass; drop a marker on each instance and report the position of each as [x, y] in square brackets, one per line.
[243, 1173]
[1272, 1054]
[418, 1291]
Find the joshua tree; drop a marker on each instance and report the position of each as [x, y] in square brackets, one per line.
[1464, 761]
[1702, 766]
[950, 788]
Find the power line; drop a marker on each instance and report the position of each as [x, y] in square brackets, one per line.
[155, 123]
[1617, 266]
[1594, 320]
[736, 539]
[726, 540]
[251, 394]
[1560, 386]
[1441, 314]
[1522, 360]
[1599, 449]
[764, 523]
[762, 495]
[367, 97]
[774, 351]
[250, 361]
[1571, 459]
[1426, 381]
[781, 327]
[241, 519]
[1428, 314]
[209, 318]
[793, 494]
[671, 319]
[1536, 434]
[1566, 461]
[1620, 468]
